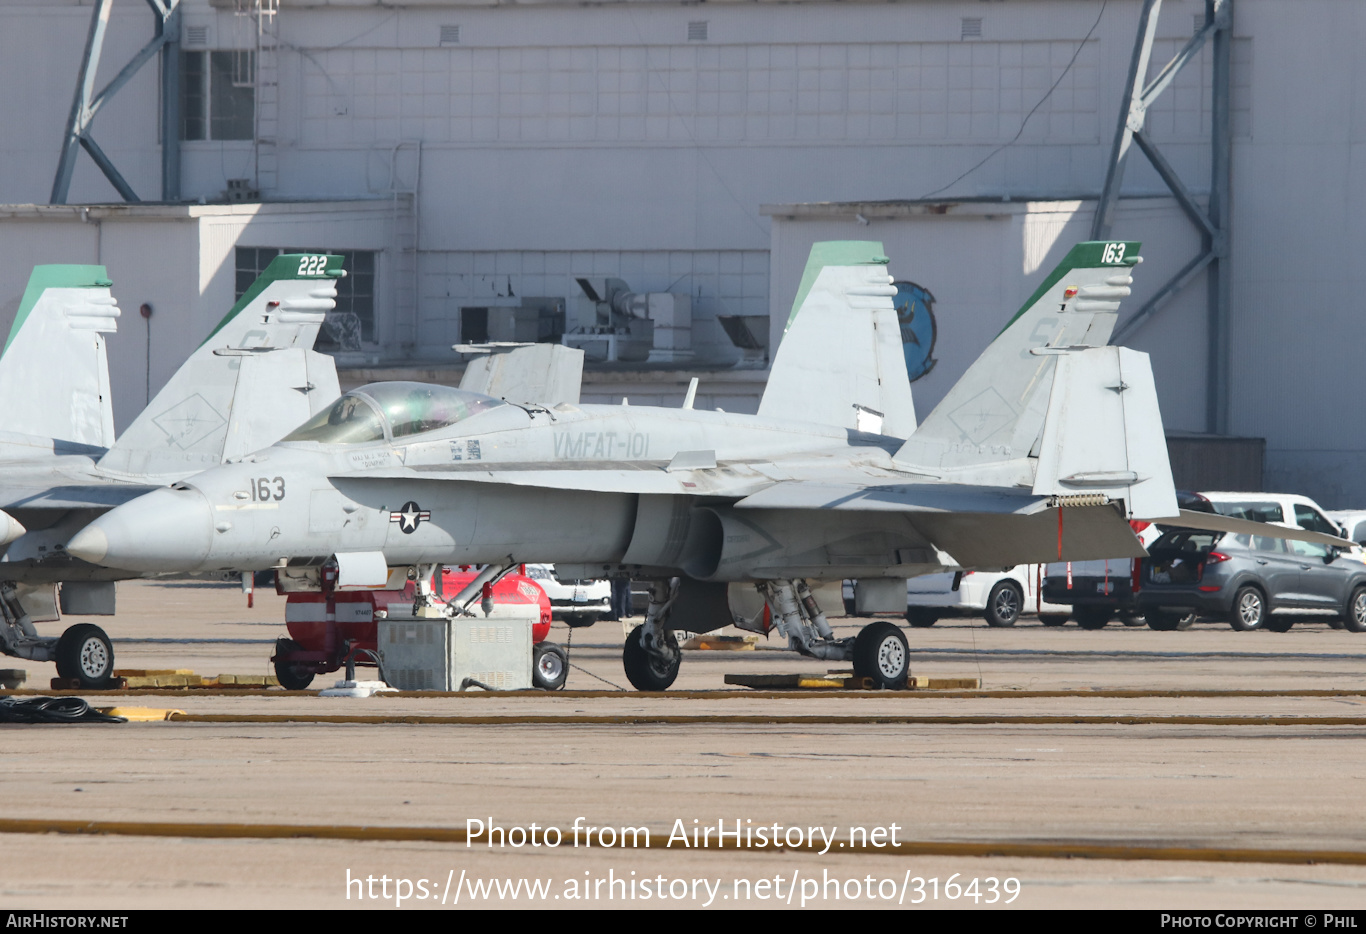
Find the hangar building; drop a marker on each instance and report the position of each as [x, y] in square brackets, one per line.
[486, 166]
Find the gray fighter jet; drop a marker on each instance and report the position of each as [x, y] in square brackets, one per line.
[254, 378]
[1045, 449]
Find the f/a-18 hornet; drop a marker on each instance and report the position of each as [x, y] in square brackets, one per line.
[1044, 450]
[251, 380]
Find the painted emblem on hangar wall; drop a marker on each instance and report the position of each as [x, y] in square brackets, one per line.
[915, 314]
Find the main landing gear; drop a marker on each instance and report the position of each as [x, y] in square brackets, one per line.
[651, 655]
[83, 653]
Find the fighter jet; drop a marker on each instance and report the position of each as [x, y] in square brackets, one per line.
[251, 380]
[1044, 450]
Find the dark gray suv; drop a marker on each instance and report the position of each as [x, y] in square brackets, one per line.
[1254, 582]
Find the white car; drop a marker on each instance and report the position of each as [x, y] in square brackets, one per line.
[999, 597]
[573, 602]
[1353, 522]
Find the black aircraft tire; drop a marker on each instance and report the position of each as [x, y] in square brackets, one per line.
[882, 653]
[646, 673]
[549, 666]
[85, 653]
[291, 677]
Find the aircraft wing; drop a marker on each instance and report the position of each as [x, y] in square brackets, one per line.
[89, 496]
[901, 497]
[604, 477]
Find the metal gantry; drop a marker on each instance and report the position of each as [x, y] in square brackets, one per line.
[1212, 221]
[87, 103]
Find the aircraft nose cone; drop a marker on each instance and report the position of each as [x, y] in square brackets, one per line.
[165, 530]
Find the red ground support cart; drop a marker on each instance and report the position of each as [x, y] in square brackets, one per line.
[329, 629]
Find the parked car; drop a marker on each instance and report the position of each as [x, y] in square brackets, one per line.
[1097, 591]
[998, 597]
[1353, 523]
[1254, 582]
[574, 602]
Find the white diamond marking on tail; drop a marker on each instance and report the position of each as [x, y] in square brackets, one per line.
[190, 421]
[982, 416]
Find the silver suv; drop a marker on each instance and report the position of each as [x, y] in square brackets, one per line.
[1254, 582]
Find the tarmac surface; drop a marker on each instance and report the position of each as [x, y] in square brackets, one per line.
[1232, 762]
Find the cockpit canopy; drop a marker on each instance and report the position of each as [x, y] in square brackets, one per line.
[392, 410]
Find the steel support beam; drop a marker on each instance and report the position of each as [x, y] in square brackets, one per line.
[1212, 221]
[170, 107]
[1138, 69]
[86, 103]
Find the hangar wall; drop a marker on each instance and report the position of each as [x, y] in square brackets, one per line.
[982, 259]
[176, 258]
[643, 137]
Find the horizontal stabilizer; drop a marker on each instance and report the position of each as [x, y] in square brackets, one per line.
[255, 378]
[841, 361]
[1213, 522]
[54, 374]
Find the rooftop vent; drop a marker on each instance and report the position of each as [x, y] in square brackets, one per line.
[450, 35]
[697, 32]
[972, 27]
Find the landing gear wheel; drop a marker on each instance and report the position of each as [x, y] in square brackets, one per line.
[1249, 610]
[549, 666]
[1004, 604]
[1280, 623]
[645, 670]
[881, 653]
[85, 653]
[292, 676]
[1355, 617]
[579, 620]
[1053, 619]
[921, 617]
[1091, 617]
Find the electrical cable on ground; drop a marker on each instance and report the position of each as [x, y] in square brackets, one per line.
[51, 710]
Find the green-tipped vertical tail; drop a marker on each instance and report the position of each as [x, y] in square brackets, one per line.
[995, 412]
[841, 361]
[255, 378]
[54, 372]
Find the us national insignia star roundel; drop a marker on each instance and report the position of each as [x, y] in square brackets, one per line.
[410, 517]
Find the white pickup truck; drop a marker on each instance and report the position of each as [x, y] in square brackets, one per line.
[573, 602]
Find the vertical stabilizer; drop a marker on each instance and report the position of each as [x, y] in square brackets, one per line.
[54, 374]
[995, 413]
[547, 374]
[255, 377]
[1103, 434]
[841, 360]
